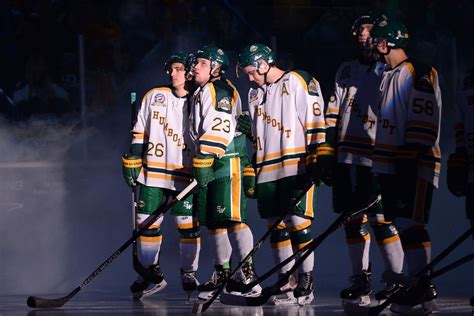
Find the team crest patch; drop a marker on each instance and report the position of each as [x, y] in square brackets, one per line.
[159, 100]
[313, 87]
[253, 96]
[253, 48]
[224, 104]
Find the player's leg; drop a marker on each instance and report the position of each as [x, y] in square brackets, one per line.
[280, 242]
[350, 192]
[149, 244]
[189, 242]
[298, 224]
[408, 199]
[221, 249]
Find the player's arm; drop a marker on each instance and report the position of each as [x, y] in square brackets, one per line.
[423, 111]
[132, 161]
[218, 129]
[333, 108]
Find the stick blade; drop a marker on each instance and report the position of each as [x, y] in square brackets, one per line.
[38, 302]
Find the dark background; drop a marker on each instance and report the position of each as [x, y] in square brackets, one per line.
[64, 206]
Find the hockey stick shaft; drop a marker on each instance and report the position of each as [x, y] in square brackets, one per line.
[451, 266]
[312, 245]
[269, 291]
[427, 268]
[202, 307]
[37, 302]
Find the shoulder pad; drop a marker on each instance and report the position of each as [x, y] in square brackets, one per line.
[224, 95]
[311, 83]
[423, 77]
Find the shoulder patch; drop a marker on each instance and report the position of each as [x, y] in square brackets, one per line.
[224, 105]
[253, 95]
[159, 99]
[423, 81]
[313, 87]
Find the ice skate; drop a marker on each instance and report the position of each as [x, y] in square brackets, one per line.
[244, 276]
[142, 288]
[218, 277]
[189, 282]
[358, 294]
[301, 295]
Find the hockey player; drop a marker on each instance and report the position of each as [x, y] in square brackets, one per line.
[218, 164]
[406, 152]
[160, 160]
[287, 124]
[351, 123]
[461, 164]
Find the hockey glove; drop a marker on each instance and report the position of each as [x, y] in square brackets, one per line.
[458, 170]
[202, 169]
[244, 125]
[325, 163]
[131, 168]
[311, 161]
[249, 181]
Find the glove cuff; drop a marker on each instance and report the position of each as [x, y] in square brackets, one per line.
[249, 171]
[131, 161]
[203, 162]
[325, 149]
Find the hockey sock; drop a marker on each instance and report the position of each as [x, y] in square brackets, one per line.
[281, 245]
[189, 242]
[221, 248]
[417, 246]
[388, 242]
[149, 243]
[300, 234]
[241, 239]
[358, 244]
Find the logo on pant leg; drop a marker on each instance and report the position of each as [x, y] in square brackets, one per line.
[220, 209]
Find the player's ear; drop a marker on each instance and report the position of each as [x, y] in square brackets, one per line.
[262, 66]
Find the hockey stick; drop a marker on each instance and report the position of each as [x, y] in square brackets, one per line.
[269, 291]
[375, 310]
[137, 266]
[201, 307]
[37, 302]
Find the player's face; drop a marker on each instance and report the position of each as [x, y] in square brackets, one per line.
[364, 34]
[177, 75]
[202, 71]
[254, 76]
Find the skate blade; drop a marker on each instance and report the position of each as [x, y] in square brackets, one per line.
[206, 295]
[155, 289]
[287, 300]
[356, 310]
[360, 301]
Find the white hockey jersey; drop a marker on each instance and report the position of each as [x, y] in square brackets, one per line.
[216, 107]
[465, 118]
[409, 113]
[352, 110]
[288, 121]
[163, 126]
